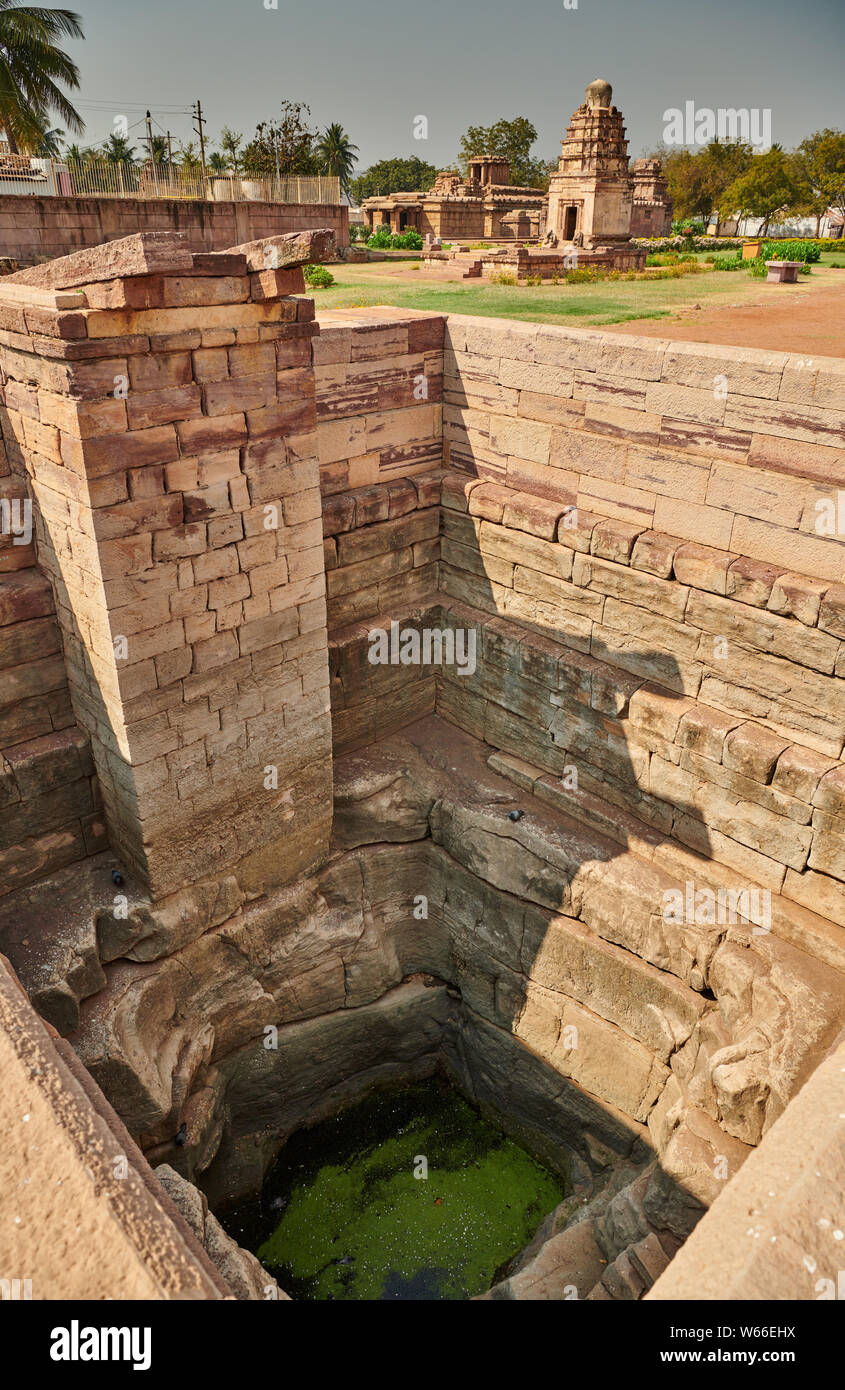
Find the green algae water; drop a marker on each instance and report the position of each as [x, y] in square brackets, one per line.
[343, 1216]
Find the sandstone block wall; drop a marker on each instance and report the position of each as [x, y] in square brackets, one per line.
[39, 229]
[379, 387]
[48, 793]
[166, 423]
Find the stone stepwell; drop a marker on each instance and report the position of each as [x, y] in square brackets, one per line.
[390, 694]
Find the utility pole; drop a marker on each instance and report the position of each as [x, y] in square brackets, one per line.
[198, 128]
[152, 152]
[169, 152]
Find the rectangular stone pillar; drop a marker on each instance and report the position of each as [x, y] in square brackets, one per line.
[163, 404]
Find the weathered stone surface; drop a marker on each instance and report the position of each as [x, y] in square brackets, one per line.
[241, 1270]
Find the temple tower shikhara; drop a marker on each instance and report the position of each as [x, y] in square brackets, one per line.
[591, 194]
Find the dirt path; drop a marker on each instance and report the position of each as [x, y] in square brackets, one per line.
[787, 318]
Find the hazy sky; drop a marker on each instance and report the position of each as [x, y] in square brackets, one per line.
[374, 65]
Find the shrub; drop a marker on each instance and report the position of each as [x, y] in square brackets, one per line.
[318, 277]
[533, 279]
[381, 239]
[805, 251]
[689, 226]
[385, 240]
[501, 278]
[408, 241]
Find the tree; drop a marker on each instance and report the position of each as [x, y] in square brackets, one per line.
[217, 163]
[697, 179]
[284, 146]
[190, 157]
[336, 154]
[393, 176]
[767, 186]
[159, 149]
[822, 156]
[230, 144]
[117, 150]
[511, 140]
[50, 144]
[33, 71]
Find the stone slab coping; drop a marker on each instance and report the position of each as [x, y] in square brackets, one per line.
[83, 1172]
[387, 314]
[32, 296]
[163, 253]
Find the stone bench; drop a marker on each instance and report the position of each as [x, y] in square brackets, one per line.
[782, 272]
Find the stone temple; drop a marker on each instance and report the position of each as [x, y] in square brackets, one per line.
[485, 205]
[596, 203]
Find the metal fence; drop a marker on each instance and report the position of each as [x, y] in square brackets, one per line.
[101, 179]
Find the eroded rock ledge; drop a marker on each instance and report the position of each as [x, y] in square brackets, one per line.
[531, 957]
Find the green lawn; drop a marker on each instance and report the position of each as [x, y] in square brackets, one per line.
[613, 301]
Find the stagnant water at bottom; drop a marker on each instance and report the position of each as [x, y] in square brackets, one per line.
[345, 1212]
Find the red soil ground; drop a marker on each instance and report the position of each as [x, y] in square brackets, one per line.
[789, 319]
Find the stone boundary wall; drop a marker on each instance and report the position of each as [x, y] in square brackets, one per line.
[36, 228]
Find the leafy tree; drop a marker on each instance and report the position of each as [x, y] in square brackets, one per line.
[117, 150]
[767, 186]
[393, 176]
[33, 71]
[230, 144]
[822, 156]
[217, 163]
[336, 154]
[511, 140]
[285, 144]
[698, 178]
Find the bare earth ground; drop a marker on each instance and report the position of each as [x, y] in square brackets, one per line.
[719, 307]
[786, 317]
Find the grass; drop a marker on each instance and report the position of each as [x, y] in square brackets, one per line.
[383, 282]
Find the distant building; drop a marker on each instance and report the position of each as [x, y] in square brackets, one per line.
[480, 207]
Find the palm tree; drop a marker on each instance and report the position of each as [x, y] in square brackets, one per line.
[50, 144]
[190, 156]
[336, 154]
[33, 70]
[217, 162]
[117, 150]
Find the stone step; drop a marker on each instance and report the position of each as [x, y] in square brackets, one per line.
[649, 1258]
[566, 1267]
